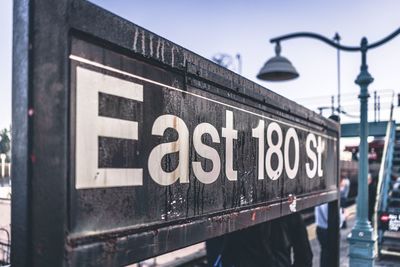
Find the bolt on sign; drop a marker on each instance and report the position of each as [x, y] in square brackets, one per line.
[134, 146]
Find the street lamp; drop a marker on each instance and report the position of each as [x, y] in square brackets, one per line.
[278, 68]
[361, 238]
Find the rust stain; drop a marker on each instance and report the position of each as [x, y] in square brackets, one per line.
[291, 199]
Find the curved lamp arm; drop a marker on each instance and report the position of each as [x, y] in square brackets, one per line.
[314, 36]
[332, 43]
[385, 40]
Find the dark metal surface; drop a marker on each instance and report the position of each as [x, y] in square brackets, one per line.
[39, 150]
[59, 224]
[334, 222]
[20, 252]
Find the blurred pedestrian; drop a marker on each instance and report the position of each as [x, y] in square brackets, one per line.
[344, 194]
[344, 190]
[321, 221]
[267, 244]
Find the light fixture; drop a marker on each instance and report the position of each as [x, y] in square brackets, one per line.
[277, 68]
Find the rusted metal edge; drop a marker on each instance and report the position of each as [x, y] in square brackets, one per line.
[303, 202]
[118, 246]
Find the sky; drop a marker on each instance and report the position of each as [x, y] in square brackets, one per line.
[5, 62]
[209, 27]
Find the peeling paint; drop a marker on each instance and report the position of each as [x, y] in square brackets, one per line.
[158, 48]
[162, 50]
[143, 43]
[151, 45]
[135, 37]
[173, 56]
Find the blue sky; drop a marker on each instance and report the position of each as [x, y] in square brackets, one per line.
[5, 62]
[208, 27]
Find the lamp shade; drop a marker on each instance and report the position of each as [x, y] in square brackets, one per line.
[277, 68]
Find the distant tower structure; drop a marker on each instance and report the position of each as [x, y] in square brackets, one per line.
[227, 61]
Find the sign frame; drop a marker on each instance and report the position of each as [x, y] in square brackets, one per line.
[42, 115]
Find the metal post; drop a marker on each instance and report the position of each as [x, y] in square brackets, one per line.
[333, 104]
[361, 238]
[334, 233]
[379, 108]
[337, 39]
[333, 218]
[375, 106]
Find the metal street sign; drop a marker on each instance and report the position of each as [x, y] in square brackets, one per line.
[129, 146]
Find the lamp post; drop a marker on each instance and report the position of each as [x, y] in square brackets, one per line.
[279, 68]
[337, 39]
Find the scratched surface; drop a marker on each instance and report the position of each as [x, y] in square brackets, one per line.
[151, 204]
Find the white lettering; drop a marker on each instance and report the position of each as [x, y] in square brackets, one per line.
[311, 154]
[206, 152]
[230, 134]
[274, 149]
[291, 134]
[181, 145]
[89, 126]
[258, 133]
[320, 150]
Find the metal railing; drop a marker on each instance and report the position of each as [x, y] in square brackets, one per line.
[5, 245]
[384, 178]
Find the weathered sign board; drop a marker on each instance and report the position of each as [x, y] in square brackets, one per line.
[127, 146]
